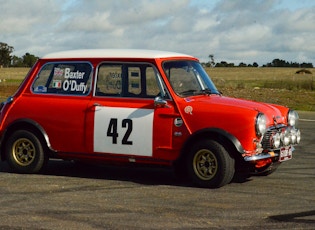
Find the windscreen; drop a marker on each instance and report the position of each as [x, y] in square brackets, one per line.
[188, 78]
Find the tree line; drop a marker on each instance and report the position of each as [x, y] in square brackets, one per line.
[275, 63]
[28, 60]
[9, 60]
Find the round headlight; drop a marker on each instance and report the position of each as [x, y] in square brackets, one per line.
[285, 137]
[261, 124]
[293, 136]
[298, 137]
[276, 140]
[293, 118]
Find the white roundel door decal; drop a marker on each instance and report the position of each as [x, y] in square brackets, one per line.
[123, 130]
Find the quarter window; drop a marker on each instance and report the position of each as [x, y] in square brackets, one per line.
[64, 78]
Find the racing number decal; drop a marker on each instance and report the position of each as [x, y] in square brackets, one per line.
[127, 123]
[112, 130]
[120, 130]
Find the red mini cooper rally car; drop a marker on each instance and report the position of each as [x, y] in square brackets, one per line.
[141, 106]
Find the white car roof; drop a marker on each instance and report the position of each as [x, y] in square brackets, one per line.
[114, 53]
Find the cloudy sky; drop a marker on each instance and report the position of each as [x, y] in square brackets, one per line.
[232, 30]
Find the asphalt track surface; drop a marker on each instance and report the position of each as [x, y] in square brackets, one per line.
[70, 196]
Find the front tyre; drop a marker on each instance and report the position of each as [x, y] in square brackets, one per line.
[267, 170]
[24, 152]
[210, 165]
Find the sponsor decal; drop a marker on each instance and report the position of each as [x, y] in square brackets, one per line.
[56, 84]
[40, 89]
[188, 99]
[114, 75]
[58, 72]
[73, 86]
[188, 109]
[178, 122]
[73, 75]
[71, 83]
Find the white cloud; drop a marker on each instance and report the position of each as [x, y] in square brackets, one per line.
[234, 31]
[30, 13]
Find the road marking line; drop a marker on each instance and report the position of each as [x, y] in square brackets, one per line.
[306, 120]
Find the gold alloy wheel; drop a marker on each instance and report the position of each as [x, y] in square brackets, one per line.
[205, 164]
[23, 151]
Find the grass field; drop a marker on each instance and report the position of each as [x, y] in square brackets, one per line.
[273, 85]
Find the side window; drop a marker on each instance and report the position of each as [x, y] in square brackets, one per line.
[64, 78]
[137, 80]
[153, 89]
[109, 80]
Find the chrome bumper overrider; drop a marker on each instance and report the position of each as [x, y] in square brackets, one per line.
[262, 156]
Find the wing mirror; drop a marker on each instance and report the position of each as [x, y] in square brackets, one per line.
[160, 102]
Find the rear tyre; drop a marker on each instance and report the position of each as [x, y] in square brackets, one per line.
[24, 152]
[210, 165]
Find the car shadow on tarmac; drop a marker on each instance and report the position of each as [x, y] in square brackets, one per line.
[141, 174]
[299, 217]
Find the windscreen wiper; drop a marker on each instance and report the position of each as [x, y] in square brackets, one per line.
[206, 91]
[188, 92]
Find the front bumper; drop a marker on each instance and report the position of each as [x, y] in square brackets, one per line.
[286, 154]
[276, 145]
[261, 156]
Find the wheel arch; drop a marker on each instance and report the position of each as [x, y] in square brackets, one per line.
[29, 125]
[227, 140]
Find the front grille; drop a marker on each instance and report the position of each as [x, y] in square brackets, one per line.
[267, 139]
[280, 136]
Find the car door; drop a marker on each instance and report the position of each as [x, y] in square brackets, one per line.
[124, 115]
[59, 98]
